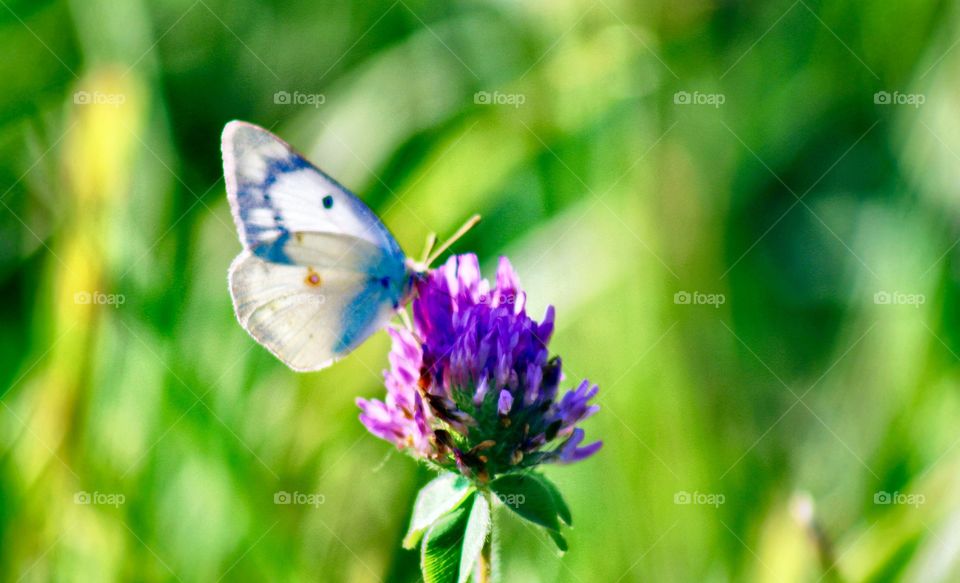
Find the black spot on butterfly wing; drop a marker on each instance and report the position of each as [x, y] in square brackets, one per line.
[328, 202]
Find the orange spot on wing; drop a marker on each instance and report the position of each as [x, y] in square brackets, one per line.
[313, 278]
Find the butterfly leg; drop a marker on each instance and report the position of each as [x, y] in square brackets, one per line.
[405, 318]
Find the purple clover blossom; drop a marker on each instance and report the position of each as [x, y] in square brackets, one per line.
[473, 388]
[402, 417]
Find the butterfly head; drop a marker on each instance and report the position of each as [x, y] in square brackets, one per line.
[417, 273]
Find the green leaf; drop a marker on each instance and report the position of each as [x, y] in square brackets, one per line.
[443, 494]
[562, 509]
[558, 540]
[478, 527]
[527, 495]
[442, 548]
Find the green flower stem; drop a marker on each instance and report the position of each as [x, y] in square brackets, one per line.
[485, 562]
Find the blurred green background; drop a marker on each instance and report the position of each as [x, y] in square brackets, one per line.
[745, 213]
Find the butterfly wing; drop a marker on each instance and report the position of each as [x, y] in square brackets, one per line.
[319, 271]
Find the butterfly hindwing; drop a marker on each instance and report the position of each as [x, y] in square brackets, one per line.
[319, 272]
[308, 318]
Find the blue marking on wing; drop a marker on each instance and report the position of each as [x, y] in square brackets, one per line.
[253, 195]
[273, 251]
[279, 166]
[357, 317]
[364, 308]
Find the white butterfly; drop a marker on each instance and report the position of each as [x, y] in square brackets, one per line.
[319, 271]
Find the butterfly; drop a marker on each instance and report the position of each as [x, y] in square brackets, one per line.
[319, 271]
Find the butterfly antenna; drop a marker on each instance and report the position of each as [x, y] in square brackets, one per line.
[428, 247]
[471, 222]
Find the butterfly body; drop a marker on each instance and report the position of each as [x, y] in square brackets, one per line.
[319, 271]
